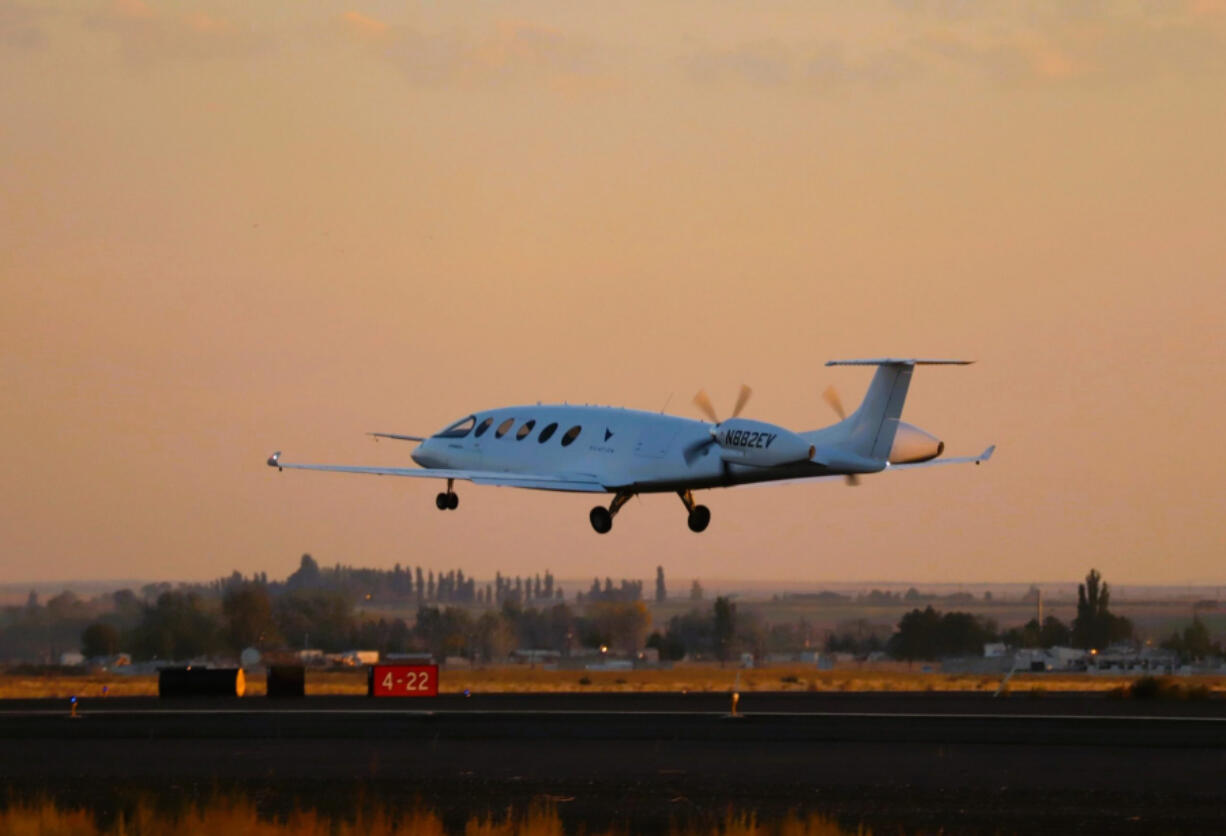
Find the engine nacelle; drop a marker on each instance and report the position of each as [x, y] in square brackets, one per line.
[759, 443]
[911, 444]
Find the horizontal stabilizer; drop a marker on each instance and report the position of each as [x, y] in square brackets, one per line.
[397, 437]
[982, 457]
[892, 361]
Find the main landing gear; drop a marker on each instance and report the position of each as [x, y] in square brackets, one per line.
[448, 501]
[602, 518]
[700, 515]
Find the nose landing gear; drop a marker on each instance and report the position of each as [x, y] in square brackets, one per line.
[700, 515]
[448, 501]
[602, 518]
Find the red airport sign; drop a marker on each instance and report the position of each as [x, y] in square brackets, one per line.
[403, 681]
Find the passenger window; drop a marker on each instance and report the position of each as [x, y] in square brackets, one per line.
[459, 429]
[482, 427]
[546, 433]
[504, 428]
[571, 435]
[523, 431]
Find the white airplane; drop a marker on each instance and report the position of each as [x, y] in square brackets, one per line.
[602, 449]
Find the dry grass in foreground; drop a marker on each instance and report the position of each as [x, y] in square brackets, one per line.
[687, 678]
[238, 817]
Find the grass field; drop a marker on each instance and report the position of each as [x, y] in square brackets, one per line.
[695, 677]
[239, 817]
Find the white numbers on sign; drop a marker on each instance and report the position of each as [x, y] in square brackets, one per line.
[387, 681]
[415, 681]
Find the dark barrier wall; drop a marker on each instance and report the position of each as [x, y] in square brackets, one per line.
[201, 682]
[286, 681]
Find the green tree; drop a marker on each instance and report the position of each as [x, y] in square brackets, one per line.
[494, 636]
[99, 639]
[308, 575]
[446, 632]
[1095, 626]
[668, 644]
[724, 628]
[321, 617]
[1052, 633]
[1193, 642]
[178, 626]
[249, 622]
[690, 634]
[623, 624]
[927, 634]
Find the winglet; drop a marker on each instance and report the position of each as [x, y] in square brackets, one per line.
[986, 454]
[275, 460]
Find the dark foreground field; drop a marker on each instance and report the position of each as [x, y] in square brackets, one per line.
[893, 763]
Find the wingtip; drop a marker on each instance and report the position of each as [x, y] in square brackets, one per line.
[986, 454]
[275, 460]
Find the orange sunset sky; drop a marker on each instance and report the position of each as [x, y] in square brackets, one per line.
[231, 227]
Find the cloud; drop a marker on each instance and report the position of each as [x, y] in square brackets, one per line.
[764, 64]
[147, 35]
[20, 26]
[361, 26]
[1058, 41]
[803, 67]
[1105, 48]
[517, 52]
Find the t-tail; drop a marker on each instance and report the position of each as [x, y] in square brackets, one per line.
[871, 429]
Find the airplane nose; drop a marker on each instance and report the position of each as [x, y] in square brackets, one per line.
[426, 456]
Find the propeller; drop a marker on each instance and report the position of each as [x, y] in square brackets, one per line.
[703, 401]
[831, 396]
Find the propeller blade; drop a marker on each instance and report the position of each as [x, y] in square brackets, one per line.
[696, 449]
[831, 396]
[703, 401]
[741, 399]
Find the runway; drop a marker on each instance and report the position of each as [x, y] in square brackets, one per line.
[964, 763]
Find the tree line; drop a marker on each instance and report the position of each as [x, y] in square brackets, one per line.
[326, 609]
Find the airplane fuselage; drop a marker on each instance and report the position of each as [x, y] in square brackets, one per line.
[622, 449]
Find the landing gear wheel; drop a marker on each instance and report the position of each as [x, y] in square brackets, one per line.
[602, 520]
[453, 501]
[699, 518]
[442, 502]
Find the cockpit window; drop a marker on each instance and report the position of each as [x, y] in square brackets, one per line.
[523, 431]
[459, 429]
[546, 433]
[504, 428]
[482, 427]
[571, 435]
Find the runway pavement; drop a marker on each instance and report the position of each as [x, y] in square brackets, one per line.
[964, 763]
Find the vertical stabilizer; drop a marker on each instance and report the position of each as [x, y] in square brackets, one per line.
[872, 426]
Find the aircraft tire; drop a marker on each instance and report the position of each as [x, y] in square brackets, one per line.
[602, 520]
[453, 501]
[441, 502]
[699, 518]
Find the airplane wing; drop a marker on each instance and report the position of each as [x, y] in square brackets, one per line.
[982, 457]
[576, 482]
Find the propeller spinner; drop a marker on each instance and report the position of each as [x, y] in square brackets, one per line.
[703, 401]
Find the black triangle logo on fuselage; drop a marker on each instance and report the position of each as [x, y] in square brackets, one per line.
[608, 433]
